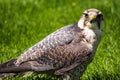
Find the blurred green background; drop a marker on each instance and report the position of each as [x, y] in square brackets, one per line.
[25, 22]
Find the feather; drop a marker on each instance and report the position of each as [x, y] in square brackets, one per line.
[60, 37]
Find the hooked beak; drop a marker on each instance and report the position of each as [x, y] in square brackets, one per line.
[91, 18]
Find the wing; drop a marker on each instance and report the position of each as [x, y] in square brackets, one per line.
[61, 51]
[65, 58]
[60, 37]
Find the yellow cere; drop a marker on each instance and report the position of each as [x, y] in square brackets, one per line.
[92, 17]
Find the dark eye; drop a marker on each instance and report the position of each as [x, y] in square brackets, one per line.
[86, 15]
[100, 16]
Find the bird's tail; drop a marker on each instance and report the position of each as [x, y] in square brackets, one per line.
[9, 68]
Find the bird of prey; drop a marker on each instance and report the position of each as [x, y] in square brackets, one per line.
[65, 52]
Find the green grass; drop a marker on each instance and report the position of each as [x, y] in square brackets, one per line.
[25, 22]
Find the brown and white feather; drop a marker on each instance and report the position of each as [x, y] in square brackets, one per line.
[66, 51]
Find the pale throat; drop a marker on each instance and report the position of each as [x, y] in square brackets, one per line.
[91, 31]
[92, 36]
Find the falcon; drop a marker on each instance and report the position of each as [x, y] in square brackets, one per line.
[65, 52]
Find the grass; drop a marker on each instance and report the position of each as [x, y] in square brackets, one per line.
[25, 22]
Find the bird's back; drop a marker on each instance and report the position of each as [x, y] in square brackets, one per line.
[60, 38]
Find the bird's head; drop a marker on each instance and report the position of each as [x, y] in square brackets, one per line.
[92, 19]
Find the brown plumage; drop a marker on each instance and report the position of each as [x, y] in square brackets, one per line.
[66, 52]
